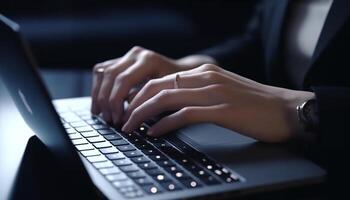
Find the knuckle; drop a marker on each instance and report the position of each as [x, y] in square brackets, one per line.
[108, 71]
[164, 94]
[209, 67]
[187, 113]
[212, 75]
[149, 86]
[136, 49]
[148, 55]
[96, 66]
[121, 80]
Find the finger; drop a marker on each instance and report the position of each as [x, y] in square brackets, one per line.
[187, 80]
[109, 77]
[107, 84]
[138, 73]
[97, 77]
[133, 92]
[184, 117]
[170, 100]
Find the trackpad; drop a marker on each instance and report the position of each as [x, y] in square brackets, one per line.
[205, 135]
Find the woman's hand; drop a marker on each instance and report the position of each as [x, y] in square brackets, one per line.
[122, 76]
[211, 94]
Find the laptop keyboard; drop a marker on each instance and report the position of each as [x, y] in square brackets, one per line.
[139, 165]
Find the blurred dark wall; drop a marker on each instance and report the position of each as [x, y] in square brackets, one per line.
[77, 34]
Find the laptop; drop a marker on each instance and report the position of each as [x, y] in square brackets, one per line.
[197, 161]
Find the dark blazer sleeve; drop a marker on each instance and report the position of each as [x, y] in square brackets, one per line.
[334, 113]
[242, 54]
[333, 143]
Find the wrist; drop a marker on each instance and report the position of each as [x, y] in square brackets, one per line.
[299, 108]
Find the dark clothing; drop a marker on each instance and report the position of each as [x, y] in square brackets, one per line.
[258, 55]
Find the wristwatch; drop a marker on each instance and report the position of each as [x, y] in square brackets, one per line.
[308, 115]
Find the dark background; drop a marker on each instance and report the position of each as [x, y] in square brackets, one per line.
[69, 36]
[76, 34]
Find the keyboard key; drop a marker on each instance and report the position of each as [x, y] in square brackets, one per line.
[90, 134]
[128, 189]
[190, 183]
[83, 147]
[180, 174]
[93, 152]
[137, 174]
[184, 161]
[158, 157]
[133, 194]
[143, 181]
[110, 170]
[163, 145]
[75, 136]
[80, 141]
[106, 131]
[109, 150]
[171, 186]
[146, 166]
[115, 156]
[142, 159]
[110, 137]
[71, 130]
[78, 124]
[166, 163]
[100, 126]
[122, 162]
[154, 139]
[142, 130]
[116, 177]
[134, 138]
[96, 139]
[123, 183]
[105, 164]
[161, 178]
[71, 118]
[66, 125]
[99, 158]
[172, 169]
[129, 168]
[132, 154]
[100, 145]
[208, 179]
[86, 117]
[83, 112]
[119, 142]
[152, 189]
[144, 146]
[154, 172]
[150, 151]
[93, 121]
[84, 129]
[124, 148]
